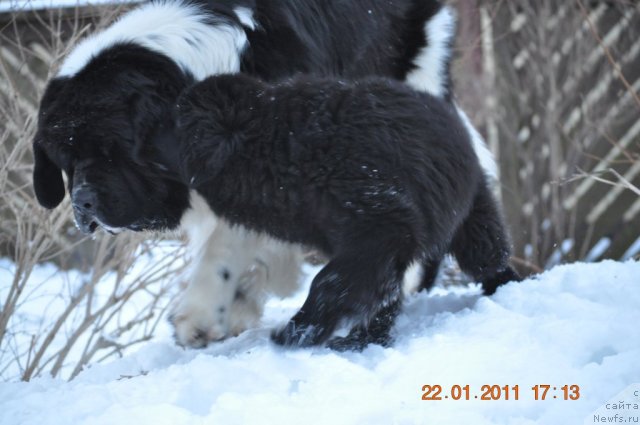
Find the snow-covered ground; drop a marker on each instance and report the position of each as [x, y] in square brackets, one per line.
[577, 324]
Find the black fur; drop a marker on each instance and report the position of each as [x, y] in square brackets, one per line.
[110, 126]
[96, 127]
[372, 173]
[351, 39]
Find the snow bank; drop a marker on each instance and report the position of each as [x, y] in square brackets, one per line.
[574, 325]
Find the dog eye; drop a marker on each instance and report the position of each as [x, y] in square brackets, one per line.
[62, 157]
[225, 274]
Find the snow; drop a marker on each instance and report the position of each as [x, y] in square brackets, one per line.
[49, 292]
[576, 324]
[633, 250]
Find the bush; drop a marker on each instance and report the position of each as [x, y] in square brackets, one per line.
[52, 321]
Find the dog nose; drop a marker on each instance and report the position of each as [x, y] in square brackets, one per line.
[84, 199]
[84, 202]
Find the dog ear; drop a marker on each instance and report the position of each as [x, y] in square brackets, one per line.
[141, 112]
[150, 116]
[47, 179]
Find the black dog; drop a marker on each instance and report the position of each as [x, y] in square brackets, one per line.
[106, 118]
[372, 173]
[103, 116]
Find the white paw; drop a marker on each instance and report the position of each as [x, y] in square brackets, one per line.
[232, 275]
[224, 305]
[198, 322]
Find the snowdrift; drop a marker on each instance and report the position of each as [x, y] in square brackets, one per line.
[577, 325]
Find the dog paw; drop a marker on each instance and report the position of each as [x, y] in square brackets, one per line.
[345, 343]
[357, 340]
[294, 334]
[196, 325]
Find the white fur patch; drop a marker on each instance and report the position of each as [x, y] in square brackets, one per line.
[176, 29]
[233, 273]
[198, 222]
[245, 16]
[485, 157]
[412, 277]
[432, 60]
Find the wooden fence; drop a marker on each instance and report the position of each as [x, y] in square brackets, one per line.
[553, 85]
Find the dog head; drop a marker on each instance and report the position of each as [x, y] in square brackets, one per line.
[109, 128]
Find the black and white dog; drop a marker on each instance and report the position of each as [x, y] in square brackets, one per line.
[107, 118]
[372, 173]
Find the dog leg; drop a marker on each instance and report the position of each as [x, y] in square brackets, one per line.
[430, 269]
[482, 244]
[275, 270]
[359, 285]
[225, 292]
[233, 275]
[378, 331]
